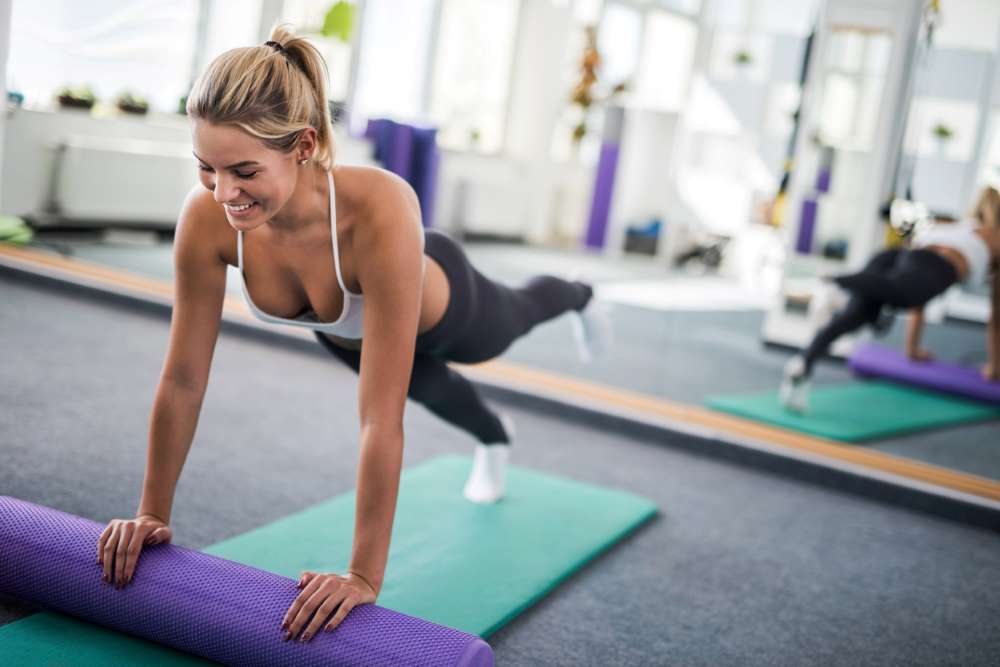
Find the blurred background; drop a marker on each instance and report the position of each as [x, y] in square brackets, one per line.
[701, 161]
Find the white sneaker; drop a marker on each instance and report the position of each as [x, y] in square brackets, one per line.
[827, 300]
[486, 483]
[592, 330]
[794, 391]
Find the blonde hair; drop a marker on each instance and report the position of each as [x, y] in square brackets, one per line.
[987, 209]
[273, 92]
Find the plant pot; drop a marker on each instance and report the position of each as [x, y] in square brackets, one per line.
[69, 102]
[133, 109]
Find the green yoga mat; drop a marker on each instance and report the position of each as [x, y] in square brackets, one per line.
[859, 411]
[471, 567]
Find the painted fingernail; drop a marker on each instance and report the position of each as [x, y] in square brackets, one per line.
[305, 638]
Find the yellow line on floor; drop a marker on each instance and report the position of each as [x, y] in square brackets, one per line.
[568, 389]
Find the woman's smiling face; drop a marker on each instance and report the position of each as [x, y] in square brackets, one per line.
[251, 181]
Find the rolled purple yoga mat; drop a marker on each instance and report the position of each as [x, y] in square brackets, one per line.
[875, 360]
[208, 606]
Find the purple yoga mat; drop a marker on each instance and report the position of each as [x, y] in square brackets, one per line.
[209, 606]
[877, 361]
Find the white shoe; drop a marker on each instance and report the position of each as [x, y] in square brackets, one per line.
[794, 391]
[486, 483]
[827, 300]
[592, 330]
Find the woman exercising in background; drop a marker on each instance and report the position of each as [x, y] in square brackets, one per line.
[944, 254]
[340, 250]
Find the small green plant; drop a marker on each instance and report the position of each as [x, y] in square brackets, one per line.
[129, 102]
[743, 57]
[80, 97]
[943, 132]
[339, 21]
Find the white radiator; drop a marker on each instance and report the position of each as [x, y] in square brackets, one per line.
[111, 180]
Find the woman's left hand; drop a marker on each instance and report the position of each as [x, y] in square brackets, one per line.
[991, 372]
[321, 595]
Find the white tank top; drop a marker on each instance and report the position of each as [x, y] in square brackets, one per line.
[348, 325]
[962, 237]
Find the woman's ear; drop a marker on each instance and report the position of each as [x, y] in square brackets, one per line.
[305, 147]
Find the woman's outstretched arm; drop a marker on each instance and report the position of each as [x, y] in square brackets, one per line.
[389, 252]
[200, 283]
[914, 330]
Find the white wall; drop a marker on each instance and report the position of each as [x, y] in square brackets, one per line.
[27, 174]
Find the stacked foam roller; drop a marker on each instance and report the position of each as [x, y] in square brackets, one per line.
[208, 606]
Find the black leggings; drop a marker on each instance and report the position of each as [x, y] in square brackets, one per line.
[895, 277]
[482, 319]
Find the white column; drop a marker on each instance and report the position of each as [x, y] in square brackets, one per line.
[538, 95]
[5, 18]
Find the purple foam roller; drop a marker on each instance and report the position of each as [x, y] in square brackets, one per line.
[873, 360]
[208, 606]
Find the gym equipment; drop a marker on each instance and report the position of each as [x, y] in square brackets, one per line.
[202, 604]
[878, 361]
[859, 411]
[454, 563]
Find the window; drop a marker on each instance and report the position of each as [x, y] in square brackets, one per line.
[307, 17]
[145, 47]
[618, 43]
[230, 24]
[475, 50]
[667, 60]
[392, 65]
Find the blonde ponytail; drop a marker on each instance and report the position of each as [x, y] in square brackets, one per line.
[273, 92]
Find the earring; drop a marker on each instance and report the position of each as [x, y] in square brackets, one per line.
[303, 160]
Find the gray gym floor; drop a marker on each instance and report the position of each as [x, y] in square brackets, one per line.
[741, 567]
[680, 355]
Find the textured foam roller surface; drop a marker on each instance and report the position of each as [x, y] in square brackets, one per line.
[873, 360]
[202, 604]
[465, 566]
[859, 411]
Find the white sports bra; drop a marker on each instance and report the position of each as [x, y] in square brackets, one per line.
[348, 325]
[963, 238]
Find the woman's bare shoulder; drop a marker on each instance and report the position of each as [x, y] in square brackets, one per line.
[202, 227]
[372, 190]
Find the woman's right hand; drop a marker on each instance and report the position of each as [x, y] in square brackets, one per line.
[121, 543]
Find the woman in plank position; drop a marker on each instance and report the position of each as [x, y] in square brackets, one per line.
[340, 250]
[944, 254]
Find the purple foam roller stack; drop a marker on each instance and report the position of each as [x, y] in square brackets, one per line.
[208, 606]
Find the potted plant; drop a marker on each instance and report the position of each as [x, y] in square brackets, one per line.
[76, 98]
[339, 21]
[942, 132]
[942, 135]
[129, 102]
